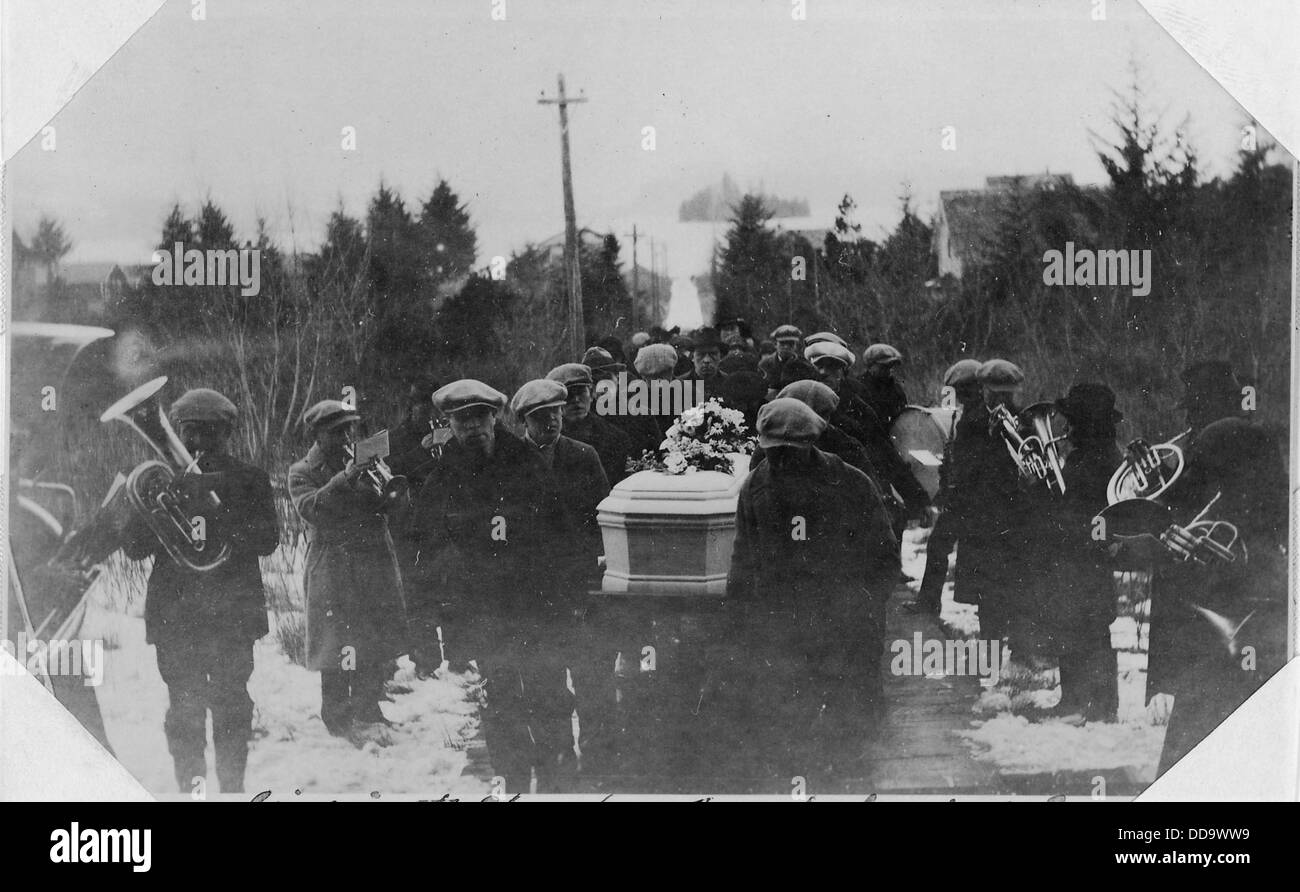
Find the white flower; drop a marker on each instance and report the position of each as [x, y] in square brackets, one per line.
[675, 463]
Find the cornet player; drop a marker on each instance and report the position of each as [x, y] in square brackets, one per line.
[203, 624]
[356, 615]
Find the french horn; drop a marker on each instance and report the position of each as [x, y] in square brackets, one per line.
[1147, 471]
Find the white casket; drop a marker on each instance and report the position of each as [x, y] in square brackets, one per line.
[671, 534]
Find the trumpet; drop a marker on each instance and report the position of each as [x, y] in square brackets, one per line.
[1035, 455]
[389, 487]
[167, 493]
[1148, 471]
[1204, 541]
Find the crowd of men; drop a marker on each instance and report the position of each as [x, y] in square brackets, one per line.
[489, 562]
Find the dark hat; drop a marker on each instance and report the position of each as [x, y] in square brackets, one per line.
[203, 405]
[788, 422]
[598, 359]
[822, 350]
[571, 374]
[963, 371]
[1209, 379]
[786, 331]
[706, 339]
[741, 325]
[1089, 404]
[1234, 447]
[329, 414]
[998, 374]
[824, 336]
[814, 394]
[881, 354]
[466, 394]
[538, 394]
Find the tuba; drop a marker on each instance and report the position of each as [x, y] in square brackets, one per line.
[164, 492]
[1035, 455]
[1148, 471]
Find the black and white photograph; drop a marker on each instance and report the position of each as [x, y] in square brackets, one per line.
[569, 399]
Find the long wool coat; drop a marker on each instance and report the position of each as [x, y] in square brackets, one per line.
[354, 586]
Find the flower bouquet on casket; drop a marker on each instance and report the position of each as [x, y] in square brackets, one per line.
[703, 438]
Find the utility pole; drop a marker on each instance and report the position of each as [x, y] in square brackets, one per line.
[573, 271]
[654, 280]
[636, 279]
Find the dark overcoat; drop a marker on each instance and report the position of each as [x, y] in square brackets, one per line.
[228, 603]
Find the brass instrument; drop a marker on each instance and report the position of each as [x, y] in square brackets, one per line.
[1035, 455]
[1213, 540]
[1203, 540]
[1148, 471]
[166, 493]
[389, 487]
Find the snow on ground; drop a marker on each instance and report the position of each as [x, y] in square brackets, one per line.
[1002, 732]
[291, 750]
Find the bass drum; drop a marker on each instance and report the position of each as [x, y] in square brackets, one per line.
[920, 435]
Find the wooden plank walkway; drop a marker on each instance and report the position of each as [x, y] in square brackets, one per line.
[918, 750]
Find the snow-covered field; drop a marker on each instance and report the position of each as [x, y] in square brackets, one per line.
[291, 751]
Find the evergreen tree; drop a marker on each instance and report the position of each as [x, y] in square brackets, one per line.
[445, 238]
[752, 271]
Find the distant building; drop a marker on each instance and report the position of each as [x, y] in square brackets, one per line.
[84, 290]
[967, 217]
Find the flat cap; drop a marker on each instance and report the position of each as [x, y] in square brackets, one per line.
[822, 337]
[655, 359]
[822, 350]
[538, 394]
[466, 394]
[571, 374]
[640, 339]
[598, 359]
[881, 354]
[203, 405]
[786, 331]
[814, 394]
[998, 374]
[963, 371]
[788, 422]
[329, 413]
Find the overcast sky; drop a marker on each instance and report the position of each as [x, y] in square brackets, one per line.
[248, 106]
